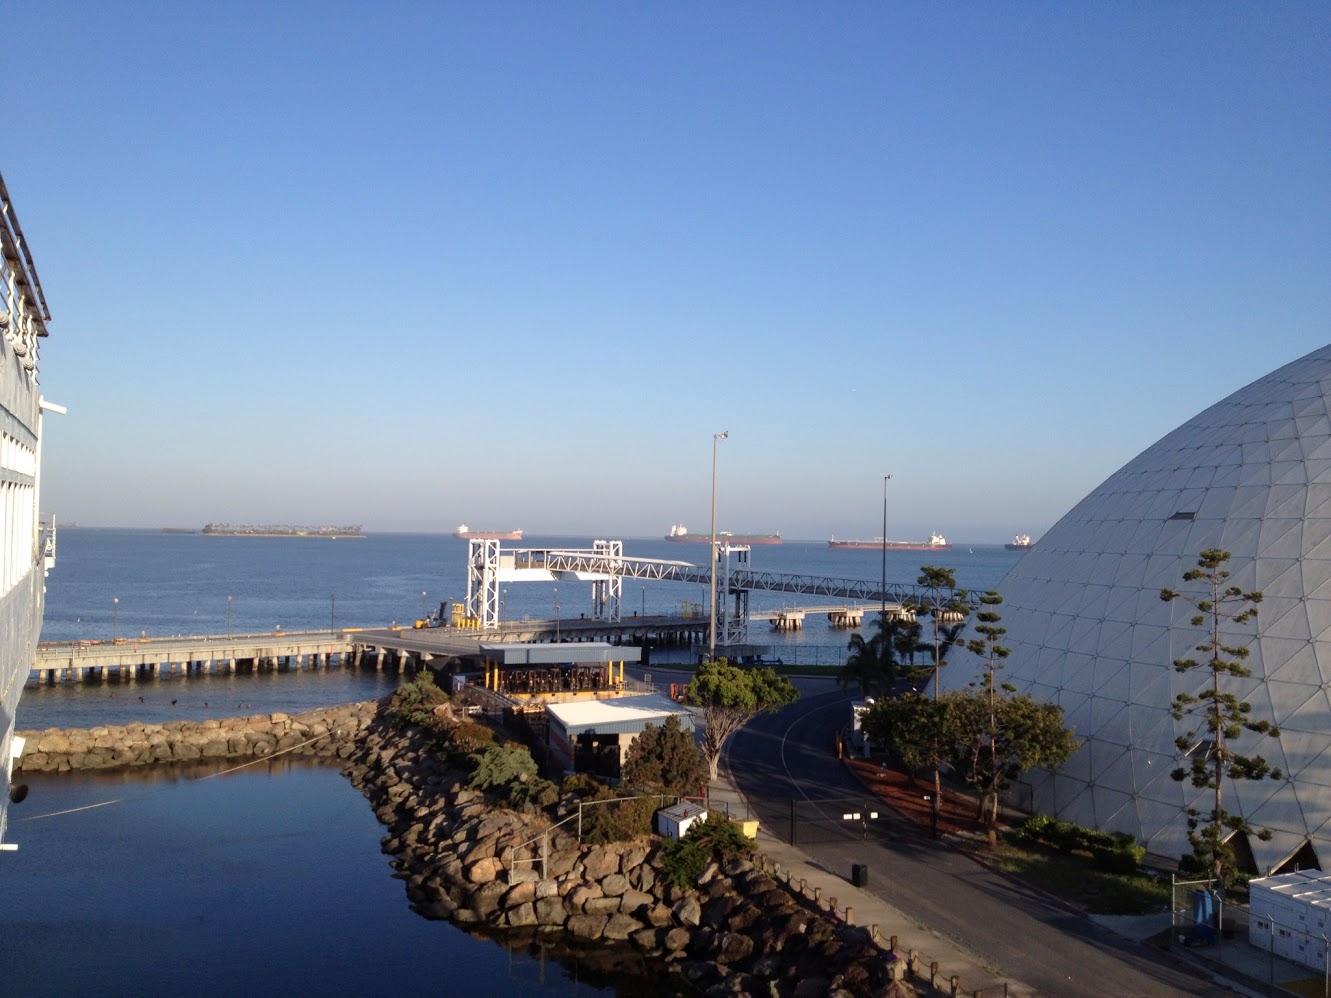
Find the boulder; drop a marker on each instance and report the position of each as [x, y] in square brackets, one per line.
[600, 863]
[687, 912]
[620, 927]
[614, 885]
[586, 926]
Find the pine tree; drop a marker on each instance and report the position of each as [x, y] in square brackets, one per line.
[943, 601]
[988, 648]
[1223, 716]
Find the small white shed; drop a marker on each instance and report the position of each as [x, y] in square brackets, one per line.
[673, 822]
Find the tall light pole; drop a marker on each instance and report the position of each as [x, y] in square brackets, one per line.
[884, 539]
[556, 613]
[422, 604]
[228, 616]
[115, 617]
[332, 611]
[711, 572]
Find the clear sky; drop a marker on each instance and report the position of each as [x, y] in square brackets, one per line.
[514, 264]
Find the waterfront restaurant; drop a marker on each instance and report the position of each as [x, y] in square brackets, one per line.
[542, 669]
[593, 736]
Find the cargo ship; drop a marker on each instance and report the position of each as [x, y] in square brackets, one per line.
[26, 536]
[467, 534]
[1022, 542]
[936, 542]
[279, 530]
[679, 532]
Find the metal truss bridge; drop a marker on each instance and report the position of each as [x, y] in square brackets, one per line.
[605, 567]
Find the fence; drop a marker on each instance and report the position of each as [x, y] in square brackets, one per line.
[832, 819]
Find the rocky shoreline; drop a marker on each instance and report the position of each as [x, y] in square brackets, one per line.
[736, 930]
[330, 732]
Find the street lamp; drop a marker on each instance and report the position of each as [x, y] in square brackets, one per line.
[332, 611]
[711, 572]
[884, 577]
[503, 602]
[556, 613]
[644, 602]
[115, 617]
[422, 604]
[228, 616]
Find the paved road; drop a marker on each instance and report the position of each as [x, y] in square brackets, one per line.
[1016, 931]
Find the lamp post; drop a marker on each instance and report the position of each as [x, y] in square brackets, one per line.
[115, 617]
[228, 616]
[556, 613]
[503, 602]
[422, 604]
[884, 539]
[332, 611]
[644, 602]
[711, 571]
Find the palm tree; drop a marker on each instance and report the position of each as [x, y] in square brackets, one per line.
[877, 663]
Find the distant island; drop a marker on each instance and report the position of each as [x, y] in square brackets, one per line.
[280, 530]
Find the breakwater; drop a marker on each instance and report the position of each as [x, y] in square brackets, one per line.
[329, 732]
[736, 929]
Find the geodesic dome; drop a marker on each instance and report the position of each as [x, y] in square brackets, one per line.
[1088, 630]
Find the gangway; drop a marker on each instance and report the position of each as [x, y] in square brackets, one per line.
[605, 567]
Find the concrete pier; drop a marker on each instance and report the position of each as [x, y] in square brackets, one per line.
[132, 660]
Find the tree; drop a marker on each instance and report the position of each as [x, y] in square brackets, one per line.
[943, 601]
[1224, 717]
[987, 647]
[876, 664]
[919, 728]
[1001, 739]
[665, 759]
[946, 604]
[729, 697]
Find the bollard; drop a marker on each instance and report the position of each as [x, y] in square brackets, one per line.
[831, 905]
[955, 981]
[818, 895]
[893, 944]
[914, 962]
[850, 915]
[933, 974]
[803, 883]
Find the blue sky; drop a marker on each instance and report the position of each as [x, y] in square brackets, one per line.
[514, 264]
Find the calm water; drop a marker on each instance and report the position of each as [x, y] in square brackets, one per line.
[271, 880]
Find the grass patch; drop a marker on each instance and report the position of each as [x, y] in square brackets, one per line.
[807, 670]
[1074, 878]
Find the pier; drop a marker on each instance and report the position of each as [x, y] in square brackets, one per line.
[131, 660]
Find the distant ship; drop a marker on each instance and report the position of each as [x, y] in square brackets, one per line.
[679, 532]
[936, 542]
[467, 534]
[1022, 542]
[279, 530]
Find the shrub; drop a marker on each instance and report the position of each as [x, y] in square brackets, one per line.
[500, 766]
[1118, 857]
[629, 818]
[469, 737]
[717, 839]
[413, 703]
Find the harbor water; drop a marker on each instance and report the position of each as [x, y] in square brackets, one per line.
[270, 878]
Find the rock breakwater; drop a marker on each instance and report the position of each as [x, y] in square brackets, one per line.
[735, 930]
[330, 732]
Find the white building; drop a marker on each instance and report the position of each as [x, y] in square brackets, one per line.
[1088, 630]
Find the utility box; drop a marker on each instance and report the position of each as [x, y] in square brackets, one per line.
[673, 822]
[859, 875]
